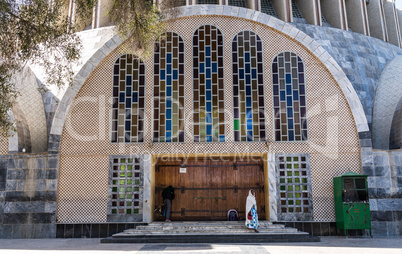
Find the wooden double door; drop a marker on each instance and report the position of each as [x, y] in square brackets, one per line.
[205, 189]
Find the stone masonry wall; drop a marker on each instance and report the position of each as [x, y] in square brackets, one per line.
[362, 58]
[385, 192]
[395, 138]
[28, 185]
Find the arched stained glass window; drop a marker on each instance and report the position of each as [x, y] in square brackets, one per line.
[248, 87]
[128, 99]
[290, 112]
[169, 88]
[208, 90]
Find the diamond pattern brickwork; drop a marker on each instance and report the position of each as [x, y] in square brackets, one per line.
[3, 145]
[85, 146]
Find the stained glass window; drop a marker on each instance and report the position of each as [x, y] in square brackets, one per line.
[248, 87]
[294, 187]
[289, 90]
[207, 1]
[169, 89]
[125, 185]
[208, 90]
[128, 99]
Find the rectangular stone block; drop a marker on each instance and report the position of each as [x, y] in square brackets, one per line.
[29, 207]
[382, 182]
[391, 204]
[379, 228]
[380, 160]
[41, 231]
[53, 163]
[381, 215]
[3, 174]
[15, 196]
[43, 218]
[16, 174]
[382, 171]
[16, 218]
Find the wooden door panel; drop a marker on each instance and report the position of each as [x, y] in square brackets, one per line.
[211, 187]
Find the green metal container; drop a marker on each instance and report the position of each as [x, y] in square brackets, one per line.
[352, 208]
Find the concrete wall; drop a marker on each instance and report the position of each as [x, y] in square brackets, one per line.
[375, 12]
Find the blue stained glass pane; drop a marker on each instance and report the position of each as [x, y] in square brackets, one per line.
[209, 138]
[175, 74]
[214, 67]
[275, 80]
[288, 89]
[247, 57]
[248, 68]
[208, 74]
[168, 114]
[208, 95]
[289, 101]
[202, 67]
[301, 78]
[169, 69]
[248, 90]
[127, 126]
[208, 51]
[168, 136]
[295, 95]
[241, 74]
[249, 113]
[169, 57]
[208, 117]
[300, 66]
[128, 102]
[162, 74]
[208, 62]
[209, 129]
[248, 102]
[169, 80]
[291, 136]
[282, 94]
[168, 103]
[168, 125]
[122, 97]
[254, 73]
[249, 136]
[221, 138]
[168, 91]
[128, 80]
[135, 97]
[128, 90]
[248, 79]
[290, 112]
[288, 79]
[290, 124]
[275, 67]
[209, 106]
[208, 84]
[249, 124]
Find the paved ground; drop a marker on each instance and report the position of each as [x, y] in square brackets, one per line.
[338, 245]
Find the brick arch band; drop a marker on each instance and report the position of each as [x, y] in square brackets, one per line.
[230, 11]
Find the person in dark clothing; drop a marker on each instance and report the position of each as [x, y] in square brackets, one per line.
[168, 196]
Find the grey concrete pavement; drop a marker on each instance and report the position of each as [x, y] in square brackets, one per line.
[327, 245]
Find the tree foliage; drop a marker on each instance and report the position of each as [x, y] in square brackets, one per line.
[40, 32]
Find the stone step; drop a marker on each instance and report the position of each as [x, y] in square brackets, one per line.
[223, 238]
[209, 232]
[197, 232]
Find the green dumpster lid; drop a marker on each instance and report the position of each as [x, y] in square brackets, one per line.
[350, 173]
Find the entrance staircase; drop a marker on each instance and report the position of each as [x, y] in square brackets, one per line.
[209, 232]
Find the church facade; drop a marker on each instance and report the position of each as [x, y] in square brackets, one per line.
[260, 96]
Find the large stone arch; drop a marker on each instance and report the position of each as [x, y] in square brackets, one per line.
[387, 96]
[315, 48]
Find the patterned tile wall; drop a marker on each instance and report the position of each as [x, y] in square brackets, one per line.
[3, 145]
[333, 143]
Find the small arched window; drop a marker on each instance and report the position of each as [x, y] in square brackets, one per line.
[289, 93]
[248, 87]
[208, 88]
[128, 99]
[169, 89]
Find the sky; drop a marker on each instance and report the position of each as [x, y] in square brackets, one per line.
[398, 4]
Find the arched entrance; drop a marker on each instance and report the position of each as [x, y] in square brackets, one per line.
[206, 188]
